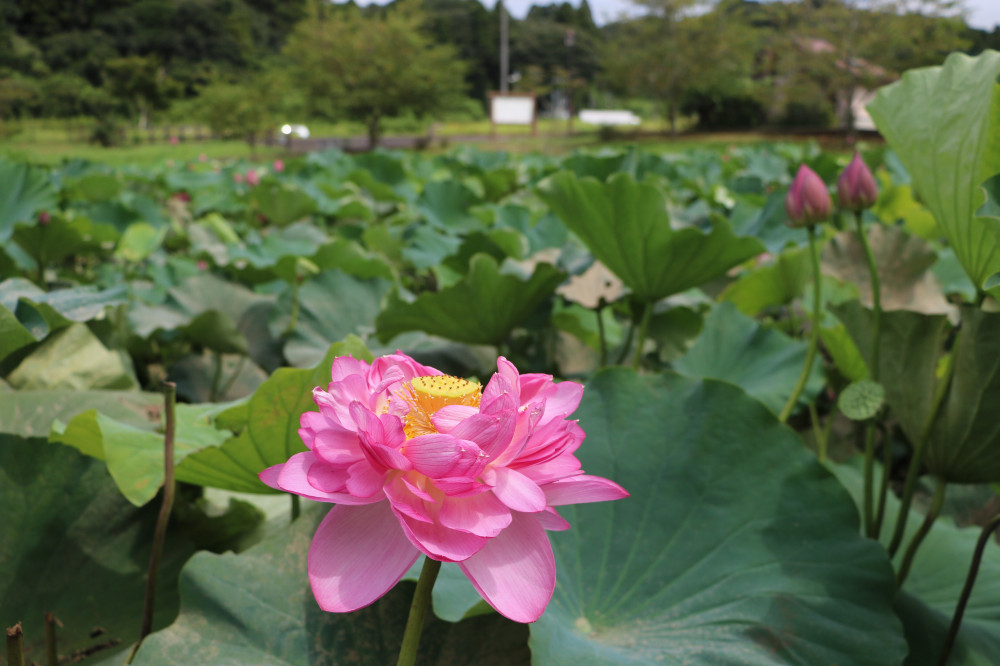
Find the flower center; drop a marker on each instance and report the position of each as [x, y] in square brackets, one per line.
[426, 395]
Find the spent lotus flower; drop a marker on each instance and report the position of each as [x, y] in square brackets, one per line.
[808, 201]
[856, 188]
[419, 462]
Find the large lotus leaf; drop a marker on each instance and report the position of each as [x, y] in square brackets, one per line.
[349, 257]
[908, 357]
[61, 238]
[269, 424]
[26, 191]
[943, 123]
[765, 219]
[331, 306]
[281, 204]
[928, 598]
[426, 247]
[482, 308]
[965, 443]
[625, 225]
[257, 608]
[735, 547]
[73, 358]
[32, 413]
[445, 204]
[775, 284]
[72, 545]
[210, 311]
[134, 455]
[902, 262]
[278, 249]
[13, 334]
[543, 233]
[763, 362]
[42, 312]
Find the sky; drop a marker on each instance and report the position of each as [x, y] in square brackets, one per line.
[982, 14]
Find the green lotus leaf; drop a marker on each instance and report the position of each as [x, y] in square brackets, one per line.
[763, 362]
[26, 191]
[445, 204]
[482, 308]
[70, 544]
[928, 598]
[772, 285]
[331, 306]
[625, 225]
[697, 568]
[273, 620]
[281, 204]
[73, 358]
[943, 123]
[268, 423]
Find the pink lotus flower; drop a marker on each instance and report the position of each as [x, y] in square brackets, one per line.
[421, 462]
[253, 178]
[856, 189]
[808, 200]
[279, 166]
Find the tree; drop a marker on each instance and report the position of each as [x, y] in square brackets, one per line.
[142, 82]
[370, 68]
[670, 53]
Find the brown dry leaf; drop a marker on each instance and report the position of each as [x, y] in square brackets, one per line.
[903, 262]
[592, 285]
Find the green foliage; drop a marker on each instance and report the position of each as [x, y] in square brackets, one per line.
[367, 69]
[951, 112]
[690, 567]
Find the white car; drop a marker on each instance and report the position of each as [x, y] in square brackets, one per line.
[295, 131]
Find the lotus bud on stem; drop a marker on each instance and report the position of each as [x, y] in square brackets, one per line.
[856, 192]
[15, 645]
[160, 533]
[807, 204]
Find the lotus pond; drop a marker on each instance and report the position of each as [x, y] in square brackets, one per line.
[809, 463]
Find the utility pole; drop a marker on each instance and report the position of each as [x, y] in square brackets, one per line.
[570, 38]
[504, 53]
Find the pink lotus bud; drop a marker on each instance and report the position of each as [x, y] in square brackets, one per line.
[203, 157]
[174, 141]
[202, 265]
[856, 188]
[279, 166]
[808, 201]
[253, 178]
[44, 218]
[183, 197]
[237, 177]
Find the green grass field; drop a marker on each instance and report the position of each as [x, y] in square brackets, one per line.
[53, 141]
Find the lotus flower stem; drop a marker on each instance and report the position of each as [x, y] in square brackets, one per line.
[627, 345]
[818, 433]
[925, 527]
[15, 645]
[963, 599]
[418, 612]
[813, 333]
[884, 488]
[872, 524]
[296, 507]
[51, 649]
[647, 312]
[213, 393]
[601, 332]
[917, 460]
[160, 533]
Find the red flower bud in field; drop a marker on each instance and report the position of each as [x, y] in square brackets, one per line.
[808, 201]
[856, 189]
[44, 218]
